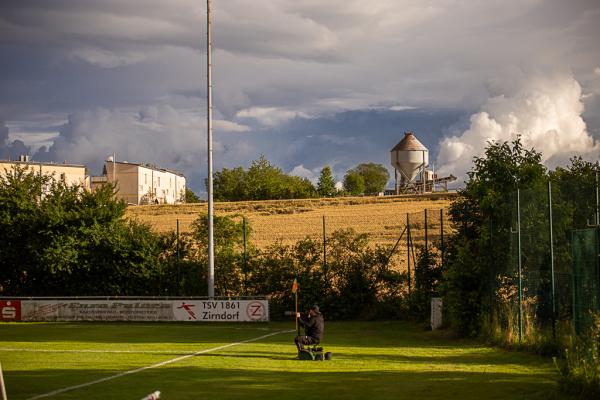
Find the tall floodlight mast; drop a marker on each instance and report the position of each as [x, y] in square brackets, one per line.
[211, 247]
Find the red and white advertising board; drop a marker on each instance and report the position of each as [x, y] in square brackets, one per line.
[135, 310]
[10, 310]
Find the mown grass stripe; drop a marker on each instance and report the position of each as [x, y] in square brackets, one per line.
[160, 364]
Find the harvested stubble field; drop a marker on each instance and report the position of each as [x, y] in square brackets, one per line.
[287, 221]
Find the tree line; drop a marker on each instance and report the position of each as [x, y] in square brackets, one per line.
[58, 240]
[264, 181]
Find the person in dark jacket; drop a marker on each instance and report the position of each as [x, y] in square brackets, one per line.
[313, 325]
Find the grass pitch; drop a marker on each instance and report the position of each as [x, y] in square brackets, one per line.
[371, 360]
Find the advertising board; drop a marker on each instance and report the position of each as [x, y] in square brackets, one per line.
[135, 310]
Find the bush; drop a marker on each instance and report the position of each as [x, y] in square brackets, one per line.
[355, 283]
[580, 367]
[58, 240]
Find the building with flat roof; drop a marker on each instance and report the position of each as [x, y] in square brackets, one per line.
[143, 183]
[70, 174]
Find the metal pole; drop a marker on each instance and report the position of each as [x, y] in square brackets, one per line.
[442, 236]
[426, 238]
[433, 178]
[211, 249]
[394, 248]
[178, 290]
[423, 172]
[520, 269]
[597, 198]
[324, 245]
[2, 387]
[414, 258]
[408, 248]
[245, 256]
[178, 239]
[552, 260]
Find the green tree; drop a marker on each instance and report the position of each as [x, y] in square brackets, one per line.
[354, 183]
[375, 177]
[262, 181]
[190, 196]
[228, 247]
[480, 249]
[326, 184]
[20, 193]
[231, 184]
[60, 240]
[294, 187]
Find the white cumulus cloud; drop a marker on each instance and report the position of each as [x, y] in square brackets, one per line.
[270, 116]
[159, 135]
[303, 172]
[545, 110]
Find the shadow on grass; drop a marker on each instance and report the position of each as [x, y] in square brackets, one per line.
[379, 334]
[132, 333]
[236, 383]
[495, 358]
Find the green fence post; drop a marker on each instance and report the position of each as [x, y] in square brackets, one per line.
[597, 198]
[552, 260]
[520, 270]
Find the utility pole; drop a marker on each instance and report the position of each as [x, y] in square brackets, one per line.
[597, 197]
[211, 247]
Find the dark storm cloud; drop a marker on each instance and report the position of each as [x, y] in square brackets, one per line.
[345, 139]
[294, 80]
[10, 150]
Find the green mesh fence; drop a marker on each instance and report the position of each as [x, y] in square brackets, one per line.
[550, 279]
[586, 277]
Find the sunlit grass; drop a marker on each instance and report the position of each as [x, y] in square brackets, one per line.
[379, 360]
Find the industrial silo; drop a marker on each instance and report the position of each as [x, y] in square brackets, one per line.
[409, 159]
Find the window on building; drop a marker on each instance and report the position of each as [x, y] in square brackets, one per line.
[159, 181]
[145, 179]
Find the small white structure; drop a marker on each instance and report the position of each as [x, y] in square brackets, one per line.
[143, 183]
[69, 174]
[436, 313]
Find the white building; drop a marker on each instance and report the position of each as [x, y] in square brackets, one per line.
[143, 183]
[69, 174]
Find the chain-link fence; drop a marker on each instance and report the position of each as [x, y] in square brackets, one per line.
[403, 234]
[550, 280]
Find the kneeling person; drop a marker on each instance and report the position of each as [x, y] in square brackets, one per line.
[313, 325]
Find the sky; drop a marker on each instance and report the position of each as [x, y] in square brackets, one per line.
[306, 83]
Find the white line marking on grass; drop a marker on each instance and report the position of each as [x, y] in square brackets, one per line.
[160, 364]
[25, 350]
